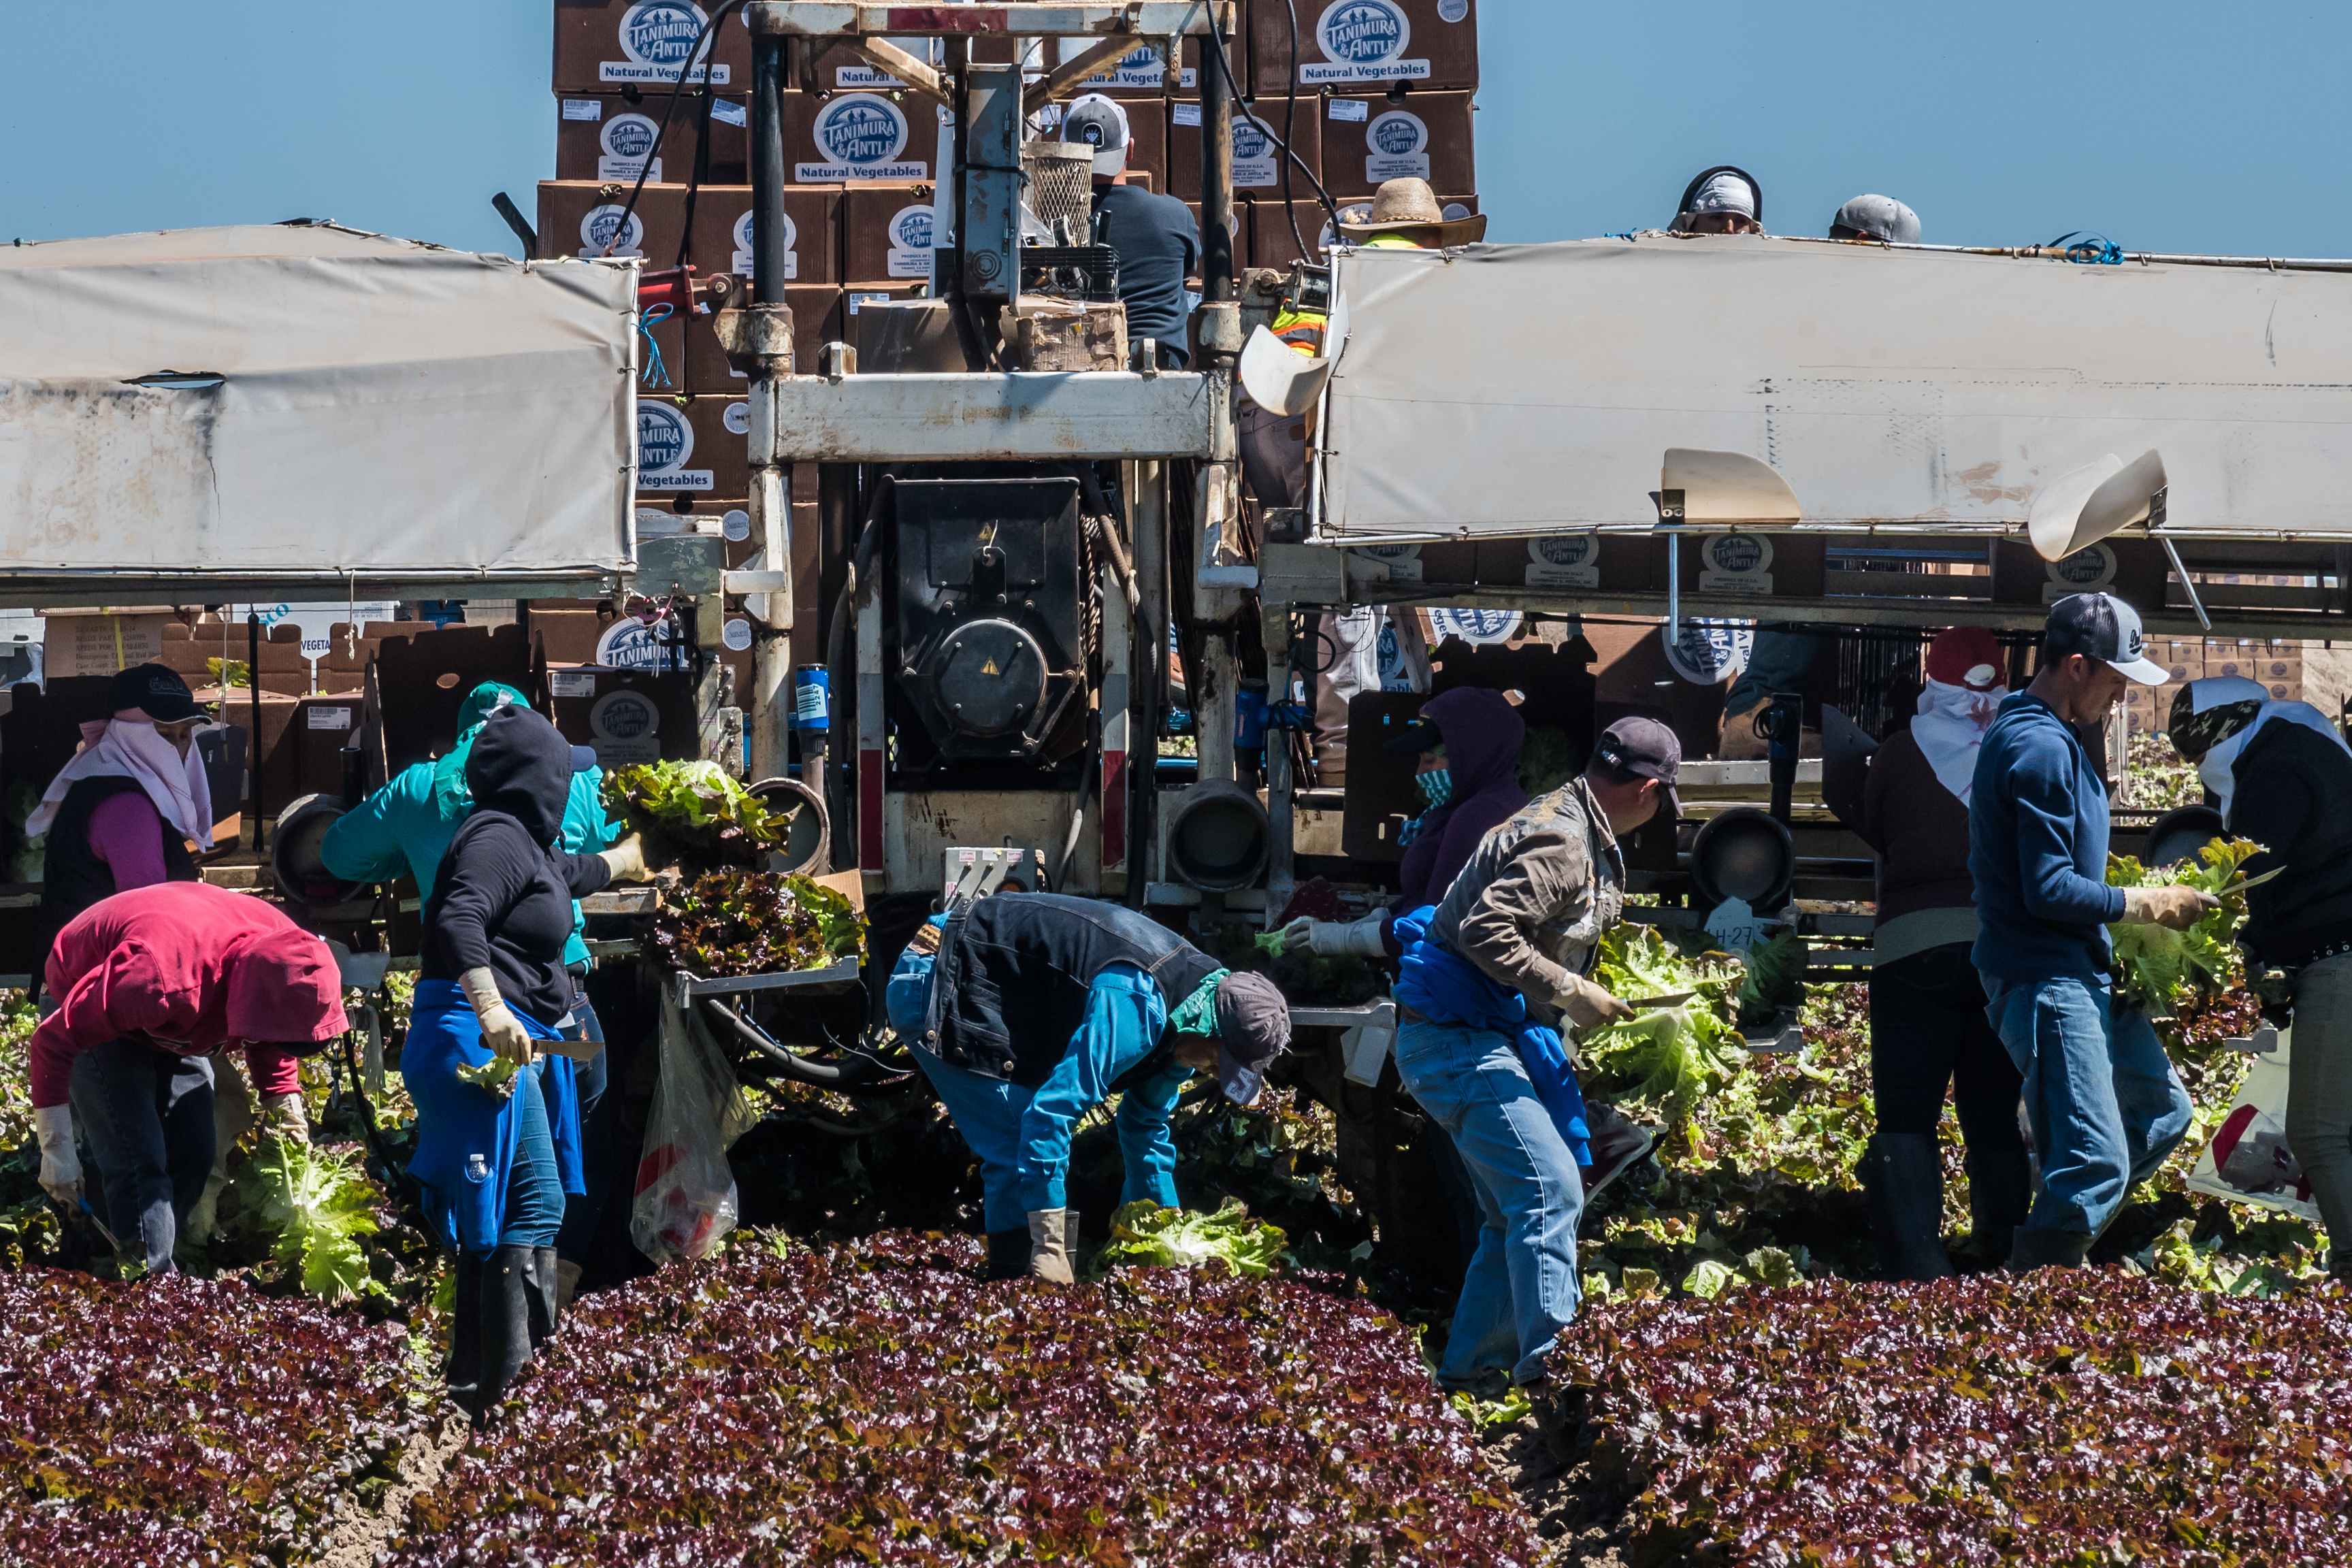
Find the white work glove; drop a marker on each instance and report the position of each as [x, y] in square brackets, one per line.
[501, 1030]
[1587, 1005]
[60, 1166]
[1049, 1249]
[2176, 908]
[284, 1114]
[1361, 937]
[627, 860]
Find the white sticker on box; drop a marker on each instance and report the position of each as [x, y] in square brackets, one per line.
[1564, 561]
[1398, 144]
[626, 142]
[1257, 156]
[862, 136]
[910, 242]
[331, 718]
[736, 525]
[1362, 40]
[742, 232]
[857, 299]
[1187, 114]
[598, 228]
[1354, 109]
[571, 682]
[657, 36]
[665, 442]
[730, 114]
[737, 419]
[583, 109]
[1453, 10]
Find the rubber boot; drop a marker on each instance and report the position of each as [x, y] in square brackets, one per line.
[1904, 1176]
[2000, 1194]
[506, 1308]
[545, 1296]
[567, 1284]
[1008, 1255]
[2036, 1248]
[464, 1373]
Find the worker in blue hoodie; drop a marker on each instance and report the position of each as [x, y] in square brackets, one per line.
[2103, 1102]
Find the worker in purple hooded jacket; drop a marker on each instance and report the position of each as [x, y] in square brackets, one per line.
[1468, 740]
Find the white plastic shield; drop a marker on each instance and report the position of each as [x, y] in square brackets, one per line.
[310, 412]
[1528, 390]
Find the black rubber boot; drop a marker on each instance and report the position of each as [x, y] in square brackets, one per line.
[463, 1372]
[2048, 1249]
[2000, 1194]
[1008, 1255]
[545, 1309]
[1905, 1178]
[507, 1281]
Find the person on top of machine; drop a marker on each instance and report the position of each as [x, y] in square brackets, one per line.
[405, 828]
[1882, 218]
[1405, 215]
[1154, 236]
[1927, 1025]
[2104, 1104]
[1721, 200]
[2282, 774]
[1027, 1010]
[1491, 977]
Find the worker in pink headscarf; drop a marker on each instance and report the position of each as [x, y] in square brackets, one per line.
[1928, 1032]
[148, 983]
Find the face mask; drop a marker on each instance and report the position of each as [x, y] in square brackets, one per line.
[1436, 786]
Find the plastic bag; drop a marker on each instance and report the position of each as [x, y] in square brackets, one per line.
[686, 1202]
[2248, 1160]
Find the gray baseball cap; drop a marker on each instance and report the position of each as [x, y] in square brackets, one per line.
[2107, 629]
[1101, 123]
[1253, 1028]
[1875, 217]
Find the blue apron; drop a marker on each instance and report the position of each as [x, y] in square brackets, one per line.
[467, 1136]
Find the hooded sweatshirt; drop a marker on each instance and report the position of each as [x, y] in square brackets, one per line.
[502, 894]
[1483, 734]
[189, 969]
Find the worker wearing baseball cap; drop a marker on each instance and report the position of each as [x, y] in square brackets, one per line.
[1882, 218]
[2103, 1101]
[1491, 977]
[1027, 1010]
[1154, 236]
[1928, 1032]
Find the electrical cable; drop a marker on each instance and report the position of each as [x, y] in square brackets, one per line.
[1289, 126]
[717, 13]
[1225, 70]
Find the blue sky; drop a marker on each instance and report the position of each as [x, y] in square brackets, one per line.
[2165, 126]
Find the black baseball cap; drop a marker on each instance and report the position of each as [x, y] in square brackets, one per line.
[1421, 735]
[2107, 629]
[1648, 749]
[156, 691]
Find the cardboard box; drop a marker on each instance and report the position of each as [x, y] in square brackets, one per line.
[1368, 139]
[607, 135]
[1350, 44]
[603, 45]
[886, 233]
[1147, 139]
[1142, 73]
[857, 294]
[859, 137]
[699, 447]
[694, 363]
[577, 217]
[722, 231]
[98, 642]
[1241, 248]
[1257, 161]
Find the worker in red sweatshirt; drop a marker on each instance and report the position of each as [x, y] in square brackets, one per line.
[148, 983]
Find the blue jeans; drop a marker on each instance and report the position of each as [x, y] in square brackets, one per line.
[534, 1189]
[2101, 1095]
[1521, 1289]
[147, 1114]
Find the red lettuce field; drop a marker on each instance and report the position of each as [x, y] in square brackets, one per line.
[876, 1403]
[2074, 1418]
[183, 1422]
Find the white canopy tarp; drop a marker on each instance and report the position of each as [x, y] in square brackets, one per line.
[1525, 390]
[388, 413]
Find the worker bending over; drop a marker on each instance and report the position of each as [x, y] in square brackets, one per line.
[1499, 963]
[1037, 1008]
[2283, 776]
[2103, 1102]
[148, 983]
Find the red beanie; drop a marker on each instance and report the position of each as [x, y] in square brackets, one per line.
[1967, 655]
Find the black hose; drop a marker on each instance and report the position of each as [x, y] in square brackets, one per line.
[1290, 125]
[1225, 68]
[859, 1070]
[837, 663]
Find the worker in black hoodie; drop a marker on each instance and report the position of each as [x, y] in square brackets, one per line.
[496, 1152]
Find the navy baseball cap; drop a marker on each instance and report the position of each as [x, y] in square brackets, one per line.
[156, 691]
[1646, 748]
[2106, 628]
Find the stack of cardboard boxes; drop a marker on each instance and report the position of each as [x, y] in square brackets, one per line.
[2277, 666]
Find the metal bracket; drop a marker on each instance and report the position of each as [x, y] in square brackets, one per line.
[2172, 553]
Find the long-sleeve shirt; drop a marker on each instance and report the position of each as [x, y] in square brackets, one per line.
[1536, 896]
[502, 902]
[1125, 1015]
[156, 964]
[126, 831]
[1920, 830]
[398, 829]
[2038, 849]
[2293, 784]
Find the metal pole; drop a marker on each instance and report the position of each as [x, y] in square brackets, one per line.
[1217, 282]
[770, 704]
[1216, 686]
[1147, 489]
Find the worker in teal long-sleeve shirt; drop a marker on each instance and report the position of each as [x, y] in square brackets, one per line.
[406, 827]
[1046, 1007]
